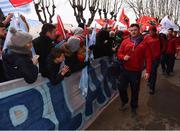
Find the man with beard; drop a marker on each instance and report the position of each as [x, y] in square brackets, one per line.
[134, 52]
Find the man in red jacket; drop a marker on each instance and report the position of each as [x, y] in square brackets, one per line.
[134, 51]
[154, 43]
[163, 42]
[176, 40]
[170, 52]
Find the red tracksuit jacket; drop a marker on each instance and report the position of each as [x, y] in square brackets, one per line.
[171, 47]
[154, 44]
[139, 55]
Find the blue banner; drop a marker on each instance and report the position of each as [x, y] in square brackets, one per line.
[41, 106]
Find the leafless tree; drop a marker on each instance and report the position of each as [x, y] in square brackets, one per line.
[43, 8]
[79, 7]
[109, 7]
[156, 8]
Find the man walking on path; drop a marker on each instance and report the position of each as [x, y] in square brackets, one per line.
[171, 51]
[154, 43]
[134, 51]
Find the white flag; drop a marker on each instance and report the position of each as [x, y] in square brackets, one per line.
[166, 23]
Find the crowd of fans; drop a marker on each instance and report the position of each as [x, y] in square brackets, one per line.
[57, 58]
[52, 51]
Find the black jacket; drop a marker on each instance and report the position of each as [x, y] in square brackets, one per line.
[102, 46]
[19, 66]
[2, 76]
[73, 63]
[42, 46]
[53, 71]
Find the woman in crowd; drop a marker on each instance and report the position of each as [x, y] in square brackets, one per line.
[17, 58]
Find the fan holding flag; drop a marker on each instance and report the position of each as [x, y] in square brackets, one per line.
[124, 19]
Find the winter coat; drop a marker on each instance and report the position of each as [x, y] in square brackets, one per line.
[53, 71]
[73, 63]
[102, 46]
[171, 46]
[138, 55]
[18, 65]
[163, 43]
[154, 44]
[42, 46]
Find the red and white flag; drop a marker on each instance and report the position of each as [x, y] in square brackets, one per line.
[17, 3]
[9, 6]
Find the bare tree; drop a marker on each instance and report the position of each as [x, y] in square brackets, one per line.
[43, 8]
[109, 7]
[104, 7]
[93, 7]
[156, 8]
[79, 7]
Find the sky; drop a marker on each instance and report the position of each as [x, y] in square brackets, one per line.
[66, 12]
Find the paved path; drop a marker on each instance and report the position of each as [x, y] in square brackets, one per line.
[160, 111]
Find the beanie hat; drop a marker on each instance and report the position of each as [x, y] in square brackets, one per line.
[18, 42]
[73, 44]
[77, 31]
[19, 38]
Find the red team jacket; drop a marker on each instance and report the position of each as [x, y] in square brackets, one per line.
[171, 46]
[154, 44]
[139, 55]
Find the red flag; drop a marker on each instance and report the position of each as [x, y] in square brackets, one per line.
[100, 21]
[103, 22]
[124, 19]
[17, 3]
[60, 28]
[147, 21]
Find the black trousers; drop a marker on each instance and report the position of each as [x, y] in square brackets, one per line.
[164, 62]
[153, 75]
[132, 78]
[170, 63]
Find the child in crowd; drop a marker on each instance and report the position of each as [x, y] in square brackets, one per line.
[55, 72]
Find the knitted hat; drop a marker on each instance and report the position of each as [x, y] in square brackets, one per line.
[73, 44]
[77, 31]
[19, 38]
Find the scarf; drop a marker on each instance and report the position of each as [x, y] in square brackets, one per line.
[137, 40]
